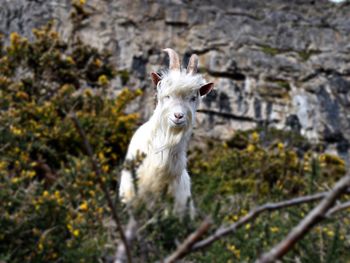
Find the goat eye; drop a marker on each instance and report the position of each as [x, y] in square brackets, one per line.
[167, 97]
[193, 98]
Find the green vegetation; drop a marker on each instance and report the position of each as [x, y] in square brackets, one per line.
[51, 209]
[270, 50]
[304, 55]
[258, 167]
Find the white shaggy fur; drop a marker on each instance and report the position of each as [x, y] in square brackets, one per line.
[164, 139]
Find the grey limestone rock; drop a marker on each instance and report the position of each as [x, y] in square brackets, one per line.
[285, 63]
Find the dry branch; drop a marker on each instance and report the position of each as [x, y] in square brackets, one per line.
[338, 208]
[104, 188]
[223, 231]
[130, 233]
[315, 216]
[187, 244]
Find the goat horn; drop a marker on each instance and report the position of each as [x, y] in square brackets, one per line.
[174, 61]
[192, 64]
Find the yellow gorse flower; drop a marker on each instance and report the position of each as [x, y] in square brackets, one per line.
[84, 206]
[255, 137]
[250, 148]
[76, 232]
[103, 80]
[234, 250]
[274, 229]
[280, 146]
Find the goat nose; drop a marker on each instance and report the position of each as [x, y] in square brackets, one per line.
[178, 115]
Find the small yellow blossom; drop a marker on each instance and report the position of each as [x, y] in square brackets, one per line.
[274, 229]
[103, 80]
[247, 227]
[98, 62]
[16, 131]
[57, 194]
[330, 233]
[70, 227]
[22, 95]
[101, 156]
[46, 194]
[15, 180]
[138, 92]
[244, 212]
[280, 146]
[105, 168]
[322, 158]
[76, 232]
[255, 137]
[31, 174]
[84, 206]
[40, 247]
[250, 148]
[14, 38]
[88, 92]
[70, 60]
[3, 165]
[234, 250]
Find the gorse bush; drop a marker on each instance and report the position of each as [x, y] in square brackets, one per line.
[51, 208]
[262, 166]
[279, 168]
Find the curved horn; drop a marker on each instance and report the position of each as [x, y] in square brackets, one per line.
[174, 61]
[192, 64]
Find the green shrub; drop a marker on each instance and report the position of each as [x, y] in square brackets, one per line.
[263, 166]
[51, 208]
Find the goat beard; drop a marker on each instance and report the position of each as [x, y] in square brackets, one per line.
[169, 137]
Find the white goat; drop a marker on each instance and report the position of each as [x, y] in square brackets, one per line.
[164, 138]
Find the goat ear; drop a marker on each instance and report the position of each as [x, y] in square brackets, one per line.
[206, 88]
[155, 78]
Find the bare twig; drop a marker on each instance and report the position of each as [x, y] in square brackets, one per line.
[98, 172]
[224, 231]
[315, 216]
[338, 208]
[130, 233]
[187, 244]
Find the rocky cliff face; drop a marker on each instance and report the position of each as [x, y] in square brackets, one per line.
[281, 63]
